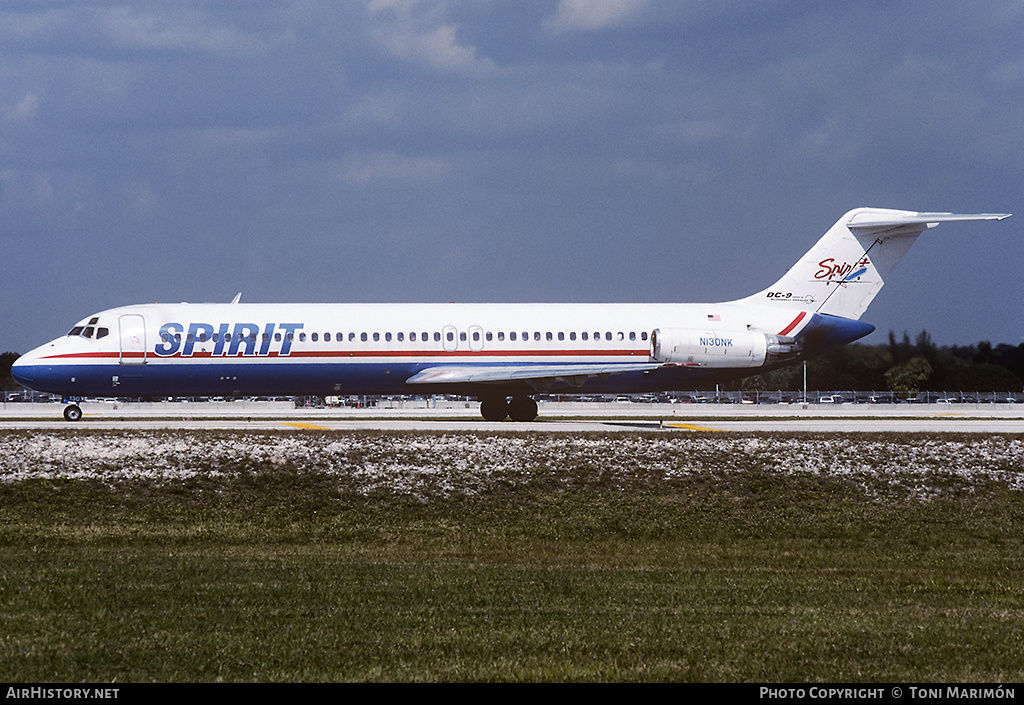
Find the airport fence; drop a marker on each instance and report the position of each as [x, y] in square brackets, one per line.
[810, 397]
[14, 396]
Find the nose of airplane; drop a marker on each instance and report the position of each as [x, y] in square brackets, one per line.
[21, 371]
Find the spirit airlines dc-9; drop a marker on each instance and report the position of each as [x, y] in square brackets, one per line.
[502, 354]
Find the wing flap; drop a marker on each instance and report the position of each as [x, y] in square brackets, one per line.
[494, 374]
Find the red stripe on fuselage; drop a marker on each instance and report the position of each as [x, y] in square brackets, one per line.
[348, 354]
[794, 324]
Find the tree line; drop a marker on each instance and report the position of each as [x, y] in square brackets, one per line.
[905, 366]
[6, 360]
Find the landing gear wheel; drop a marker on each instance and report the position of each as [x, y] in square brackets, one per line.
[494, 409]
[522, 409]
[72, 412]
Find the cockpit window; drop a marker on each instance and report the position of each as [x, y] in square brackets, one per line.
[90, 330]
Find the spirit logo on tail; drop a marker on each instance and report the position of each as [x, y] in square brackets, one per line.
[830, 269]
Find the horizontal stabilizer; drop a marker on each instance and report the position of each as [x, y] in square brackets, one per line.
[573, 374]
[869, 222]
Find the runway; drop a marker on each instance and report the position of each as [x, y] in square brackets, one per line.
[554, 418]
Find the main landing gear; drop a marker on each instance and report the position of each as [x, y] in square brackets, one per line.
[72, 412]
[518, 408]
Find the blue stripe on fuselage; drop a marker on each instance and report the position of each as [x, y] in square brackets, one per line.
[253, 378]
[824, 332]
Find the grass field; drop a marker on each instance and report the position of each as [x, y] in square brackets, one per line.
[306, 556]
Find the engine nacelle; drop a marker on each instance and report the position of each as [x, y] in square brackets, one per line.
[706, 348]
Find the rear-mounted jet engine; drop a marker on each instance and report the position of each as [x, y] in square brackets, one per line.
[701, 348]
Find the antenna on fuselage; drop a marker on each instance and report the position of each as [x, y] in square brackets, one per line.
[238, 297]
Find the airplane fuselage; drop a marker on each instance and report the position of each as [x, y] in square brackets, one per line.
[329, 349]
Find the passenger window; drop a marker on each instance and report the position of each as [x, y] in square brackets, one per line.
[512, 335]
[400, 336]
[583, 335]
[387, 337]
[376, 337]
[302, 337]
[437, 337]
[412, 336]
[327, 337]
[572, 335]
[501, 335]
[363, 337]
[548, 335]
[277, 337]
[314, 337]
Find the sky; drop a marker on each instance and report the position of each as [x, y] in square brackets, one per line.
[496, 151]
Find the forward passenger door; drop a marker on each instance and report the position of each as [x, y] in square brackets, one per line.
[132, 333]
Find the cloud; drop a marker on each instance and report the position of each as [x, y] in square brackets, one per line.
[588, 15]
[411, 31]
[84, 29]
[176, 31]
[382, 168]
[25, 109]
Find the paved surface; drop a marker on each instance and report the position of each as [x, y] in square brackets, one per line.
[554, 417]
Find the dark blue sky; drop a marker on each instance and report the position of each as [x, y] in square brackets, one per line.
[477, 150]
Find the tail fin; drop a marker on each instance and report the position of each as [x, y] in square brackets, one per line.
[843, 272]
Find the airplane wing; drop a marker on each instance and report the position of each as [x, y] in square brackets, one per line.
[574, 375]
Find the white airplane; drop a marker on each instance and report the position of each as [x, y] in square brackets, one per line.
[503, 354]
